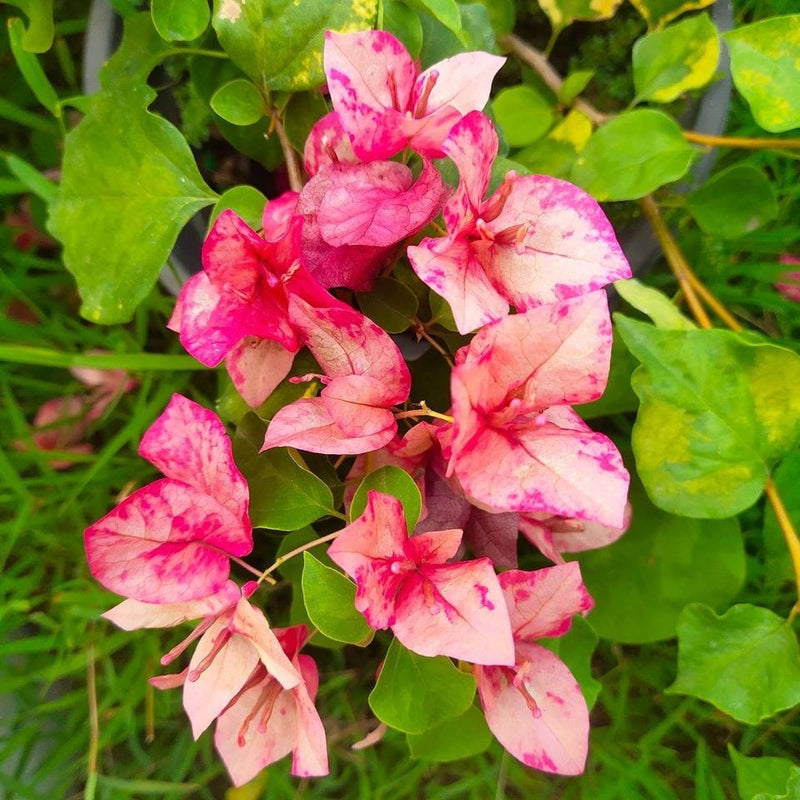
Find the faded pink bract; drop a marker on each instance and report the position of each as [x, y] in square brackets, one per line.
[516, 444]
[433, 606]
[169, 541]
[536, 708]
[385, 105]
[536, 240]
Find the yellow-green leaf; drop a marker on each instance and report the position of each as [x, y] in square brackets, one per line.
[765, 64]
[564, 12]
[658, 13]
[681, 57]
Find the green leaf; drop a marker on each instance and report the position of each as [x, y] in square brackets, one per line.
[238, 102]
[706, 783]
[766, 775]
[672, 61]
[402, 22]
[633, 155]
[329, 597]
[38, 37]
[655, 304]
[642, 582]
[301, 114]
[765, 65]
[523, 114]
[734, 202]
[33, 180]
[575, 648]
[658, 12]
[394, 481]
[461, 737]
[574, 84]
[414, 693]
[502, 14]
[246, 201]
[390, 304]
[180, 20]
[565, 12]
[31, 69]
[730, 404]
[444, 11]
[283, 495]
[279, 44]
[129, 185]
[746, 662]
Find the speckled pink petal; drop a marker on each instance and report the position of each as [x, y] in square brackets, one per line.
[555, 737]
[256, 367]
[472, 144]
[589, 535]
[370, 78]
[189, 443]
[455, 610]
[166, 543]
[543, 602]
[540, 464]
[376, 204]
[368, 550]
[211, 321]
[233, 253]
[308, 425]
[345, 342]
[540, 536]
[133, 614]
[327, 143]
[450, 268]
[434, 547]
[568, 247]
[551, 355]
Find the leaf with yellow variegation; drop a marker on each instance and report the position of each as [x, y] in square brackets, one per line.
[564, 12]
[658, 13]
[671, 61]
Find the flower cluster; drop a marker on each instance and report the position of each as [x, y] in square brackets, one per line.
[524, 268]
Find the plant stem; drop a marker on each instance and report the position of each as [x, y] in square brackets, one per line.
[419, 329]
[423, 411]
[743, 142]
[292, 164]
[675, 258]
[292, 553]
[244, 565]
[135, 362]
[94, 725]
[789, 534]
[547, 72]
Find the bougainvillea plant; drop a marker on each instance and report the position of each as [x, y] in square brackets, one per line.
[436, 473]
[510, 442]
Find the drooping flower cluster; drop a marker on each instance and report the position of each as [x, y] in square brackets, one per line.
[525, 268]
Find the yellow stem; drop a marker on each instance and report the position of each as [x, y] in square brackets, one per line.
[743, 142]
[292, 553]
[713, 303]
[789, 534]
[423, 411]
[677, 263]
